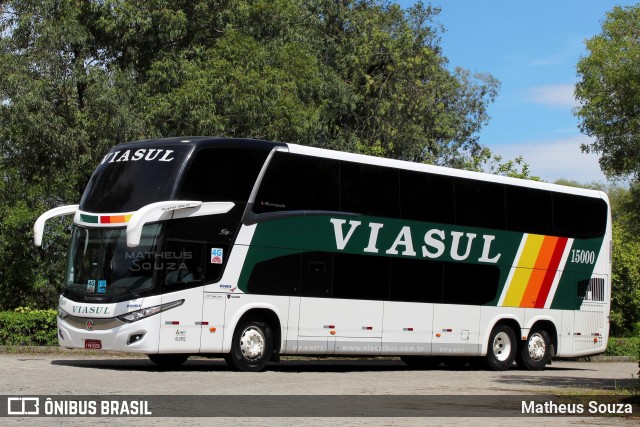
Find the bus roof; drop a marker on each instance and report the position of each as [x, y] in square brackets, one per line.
[259, 144]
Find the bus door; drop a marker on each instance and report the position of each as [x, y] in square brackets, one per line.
[182, 279]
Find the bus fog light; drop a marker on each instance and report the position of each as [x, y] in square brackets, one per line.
[134, 338]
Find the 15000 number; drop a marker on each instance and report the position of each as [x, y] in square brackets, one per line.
[580, 256]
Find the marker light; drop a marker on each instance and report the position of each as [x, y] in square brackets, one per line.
[134, 316]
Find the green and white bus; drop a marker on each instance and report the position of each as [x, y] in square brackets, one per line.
[249, 250]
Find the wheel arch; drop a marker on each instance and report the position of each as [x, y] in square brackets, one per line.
[511, 321]
[264, 313]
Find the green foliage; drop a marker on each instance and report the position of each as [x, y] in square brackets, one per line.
[625, 278]
[609, 93]
[79, 77]
[623, 347]
[25, 326]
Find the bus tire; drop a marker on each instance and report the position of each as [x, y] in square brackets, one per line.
[251, 346]
[501, 351]
[168, 360]
[535, 352]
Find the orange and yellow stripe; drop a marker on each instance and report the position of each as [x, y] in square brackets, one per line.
[534, 271]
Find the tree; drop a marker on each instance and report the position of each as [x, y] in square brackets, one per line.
[609, 111]
[609, 93]
[79, 77]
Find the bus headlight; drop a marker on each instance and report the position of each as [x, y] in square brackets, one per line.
[134, 316]
[62, 314]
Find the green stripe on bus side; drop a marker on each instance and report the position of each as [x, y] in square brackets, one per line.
[407, 239]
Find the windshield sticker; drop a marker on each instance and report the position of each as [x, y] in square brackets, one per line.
[91, 286]
[102, 286]
[216, 256]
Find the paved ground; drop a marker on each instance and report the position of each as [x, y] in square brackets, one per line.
[76, 374]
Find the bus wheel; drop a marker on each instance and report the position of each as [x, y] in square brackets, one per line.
[502, 348]
[168, 360]
[251, 347]
[535, 353]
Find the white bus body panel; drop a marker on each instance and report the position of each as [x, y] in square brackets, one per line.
[459, 330]
[180, 327]
[407, 329]
[213, 322]
[347, 326]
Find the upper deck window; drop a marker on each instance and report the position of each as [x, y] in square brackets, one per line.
[222, 175]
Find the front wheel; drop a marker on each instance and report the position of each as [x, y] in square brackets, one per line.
[251, 347]
[502, 348]
[535, 353]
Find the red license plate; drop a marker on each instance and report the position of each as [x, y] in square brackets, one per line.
[93, 344]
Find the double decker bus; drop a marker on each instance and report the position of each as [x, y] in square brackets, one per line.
[248, 250]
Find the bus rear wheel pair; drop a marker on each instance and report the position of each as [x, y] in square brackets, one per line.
[532, 354]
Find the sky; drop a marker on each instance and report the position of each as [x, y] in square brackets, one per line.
[532, 48]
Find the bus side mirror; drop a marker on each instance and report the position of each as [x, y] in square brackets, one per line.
[38, 227]
[162, 211]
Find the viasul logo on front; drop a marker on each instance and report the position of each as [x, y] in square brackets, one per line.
[81, 309]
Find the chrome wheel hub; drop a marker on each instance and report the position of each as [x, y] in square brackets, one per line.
[537, 347]
[501, 346]
[252, 343]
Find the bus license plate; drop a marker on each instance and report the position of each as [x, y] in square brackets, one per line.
[93, 344]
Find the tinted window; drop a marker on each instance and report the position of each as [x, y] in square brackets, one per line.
[279, 276]
[129, 179]
[317, 274]
[416, 280]
[361, 277]
[222, 175]
[470, 284]
[529, 210]
[579, 217]
[480, 204]
[182, 265]
[294, 182]
[427, 197]
[369, 190]
[212, 233]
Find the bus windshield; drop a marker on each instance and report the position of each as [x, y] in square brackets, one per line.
[103, 269]
[128, 179]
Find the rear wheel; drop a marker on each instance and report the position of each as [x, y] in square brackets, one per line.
[535, 353]
[251, 346]
[168, 360]
[502, 348]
